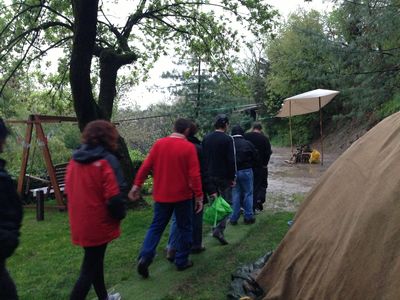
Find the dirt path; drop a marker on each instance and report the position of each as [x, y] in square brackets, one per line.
[288, 184]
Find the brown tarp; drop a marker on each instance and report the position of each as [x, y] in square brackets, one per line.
[345, 241]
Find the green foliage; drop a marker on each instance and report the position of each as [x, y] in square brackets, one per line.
[389, 107]
[136, 155]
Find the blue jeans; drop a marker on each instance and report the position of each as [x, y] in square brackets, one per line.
[242, 194]
[197, 231]
[162, 215]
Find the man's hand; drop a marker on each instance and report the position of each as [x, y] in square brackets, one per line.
[134, 193]
[198, 204]
[233, 183]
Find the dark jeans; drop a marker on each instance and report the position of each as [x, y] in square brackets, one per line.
[260, 185]
[224, 189]
[7, 287]
[92, 272]
[197, 231]
[162, 215]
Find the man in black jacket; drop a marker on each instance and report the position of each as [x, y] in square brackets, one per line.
[260, 170]
[242, 193]
[10, 222]
[218, 156]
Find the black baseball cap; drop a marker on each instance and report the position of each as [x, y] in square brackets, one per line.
[3, 129]
[221, 120]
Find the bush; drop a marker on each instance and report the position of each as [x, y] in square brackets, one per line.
[389, 107]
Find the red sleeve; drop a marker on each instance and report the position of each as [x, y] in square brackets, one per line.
[109, 181]
[145, 168]
[194, 172]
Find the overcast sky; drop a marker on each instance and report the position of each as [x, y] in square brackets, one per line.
[145, 94]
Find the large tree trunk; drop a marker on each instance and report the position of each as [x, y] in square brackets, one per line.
[85, 14]
[86, 108]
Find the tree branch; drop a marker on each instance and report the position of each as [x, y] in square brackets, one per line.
[18, 64]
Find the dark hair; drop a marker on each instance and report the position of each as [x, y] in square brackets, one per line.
[193, 129]
[102, 133]
[237, 130]
[221, 121]
[3, 130]
[181, 125]
[257, 125]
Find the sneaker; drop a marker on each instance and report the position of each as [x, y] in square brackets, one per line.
[197, 250]
[250, 221]
[233, 222]
[143, 267]
[115, 296]
[220, 237]
[188, 265]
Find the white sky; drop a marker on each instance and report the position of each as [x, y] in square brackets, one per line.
[145, 94]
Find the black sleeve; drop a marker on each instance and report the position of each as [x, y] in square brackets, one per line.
[208, 187]
[10, 217]
[117, 207]
[231, 159]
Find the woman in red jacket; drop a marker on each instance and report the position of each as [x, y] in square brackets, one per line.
[93, 184]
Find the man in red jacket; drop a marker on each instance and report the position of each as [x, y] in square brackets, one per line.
[176, 176]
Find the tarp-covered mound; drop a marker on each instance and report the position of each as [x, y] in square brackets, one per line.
[345, 240]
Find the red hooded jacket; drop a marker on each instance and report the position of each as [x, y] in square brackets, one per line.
[90, 182]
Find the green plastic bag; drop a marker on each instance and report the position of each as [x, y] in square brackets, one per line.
[218, 210]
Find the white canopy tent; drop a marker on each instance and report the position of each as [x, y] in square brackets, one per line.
[306, 103]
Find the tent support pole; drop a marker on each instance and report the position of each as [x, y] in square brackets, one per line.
[290, 126]
[320, 131]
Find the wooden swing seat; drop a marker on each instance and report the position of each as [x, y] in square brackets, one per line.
[60, 170]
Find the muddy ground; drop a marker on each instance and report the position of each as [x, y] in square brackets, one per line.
[289, 183]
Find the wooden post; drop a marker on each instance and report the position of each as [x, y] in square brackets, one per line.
[25, 155]
[320, 131]
[39, 206]
[47, 158]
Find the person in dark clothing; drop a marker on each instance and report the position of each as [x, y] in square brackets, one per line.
[260, 170]
[219, 160]
[242, 192]
[197, 218]
[10, 222]
[93, 186]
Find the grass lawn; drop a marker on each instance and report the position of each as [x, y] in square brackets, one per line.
[46, 264]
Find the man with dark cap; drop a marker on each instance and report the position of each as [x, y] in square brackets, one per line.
[10, 222]
[242, 193]
[260, 170]
[219, 160]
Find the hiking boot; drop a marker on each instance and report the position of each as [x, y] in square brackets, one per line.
[115, 296]
[143, 267]
[250, 221]
[188, 265]
[197, 250]
[171, 254]
[220, 237]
